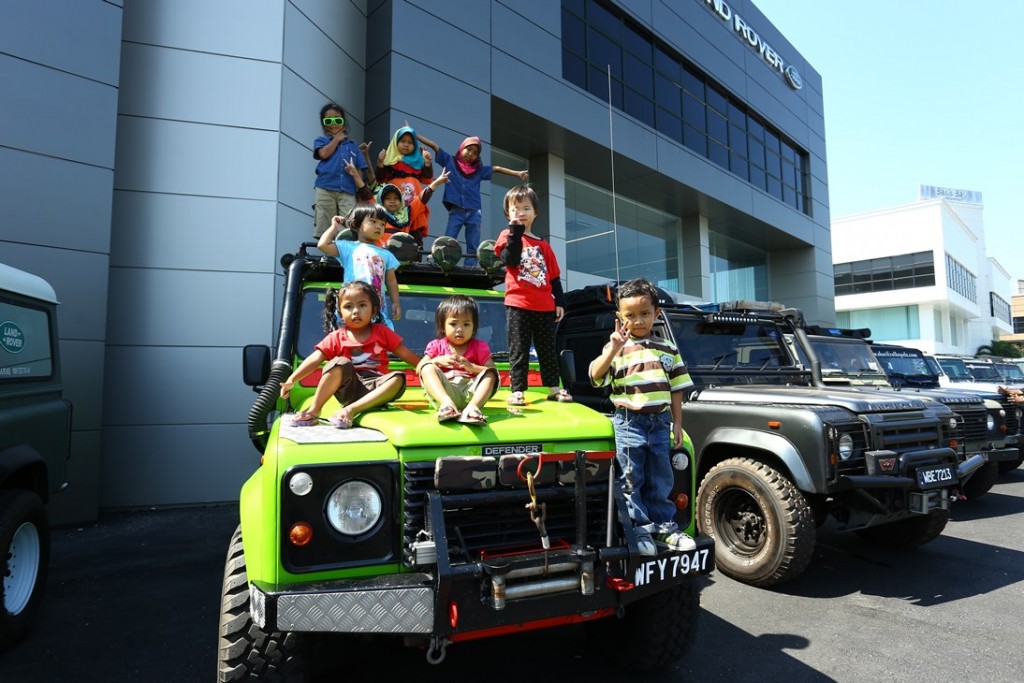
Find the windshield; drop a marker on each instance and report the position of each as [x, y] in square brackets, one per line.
[1011, 372]
[907, 364]
[839, 357]
[985, 372]
[416, 327]
[956, 369]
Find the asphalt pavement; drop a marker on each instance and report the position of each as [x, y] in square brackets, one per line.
[135, 598]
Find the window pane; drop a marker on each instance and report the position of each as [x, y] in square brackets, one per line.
[718, 153]
[738, 140]
[574, 33]
[755, 128]
[717, 127]
[738, 165]
[756, 152]
[692, 83]
[639, 107]
[670, 124]
[695, 140]
[693, 112]
[757, 177]
[666, 94]
[574, 69]
[666, 64]
[602, 52]
[637, 44]
[717, 101]
[600, 17]
[639, 76]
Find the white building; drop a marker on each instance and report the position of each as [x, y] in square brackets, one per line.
[918, 274]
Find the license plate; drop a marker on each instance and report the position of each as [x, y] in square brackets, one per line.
[669, 568]
[935, 477]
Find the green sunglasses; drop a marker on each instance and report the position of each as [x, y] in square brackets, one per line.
[334, 120]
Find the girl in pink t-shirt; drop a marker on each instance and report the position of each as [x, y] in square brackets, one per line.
[457, 371]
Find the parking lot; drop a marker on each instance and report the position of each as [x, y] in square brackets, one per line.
[136, 598]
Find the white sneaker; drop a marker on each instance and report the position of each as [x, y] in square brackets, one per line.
[644, 542]
[678, 541]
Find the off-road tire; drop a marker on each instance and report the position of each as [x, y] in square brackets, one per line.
[244, 650]
[653, 632]
[763, 526]
[906, 534]
[1010, 465]
[24, 560]
[981, 481]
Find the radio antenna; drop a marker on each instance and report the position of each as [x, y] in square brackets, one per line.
[611, 153]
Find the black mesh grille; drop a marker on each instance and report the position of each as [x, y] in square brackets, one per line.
[972, 423]
[1012, 425]
[502, 526]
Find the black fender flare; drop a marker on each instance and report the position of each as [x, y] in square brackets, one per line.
[22, 466]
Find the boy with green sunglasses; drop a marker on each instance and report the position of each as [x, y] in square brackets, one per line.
[335, 189]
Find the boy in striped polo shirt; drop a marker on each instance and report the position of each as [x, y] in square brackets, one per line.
[648, 378]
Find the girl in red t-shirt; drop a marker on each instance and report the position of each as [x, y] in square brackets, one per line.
[356, 372]
[533, 296]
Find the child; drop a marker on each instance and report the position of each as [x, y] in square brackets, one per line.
[462, 194]
[647, 377]
[363, 259]
[457, 371]
[533, 296]
[404, 158]
[356, 372]
[335, 189]
[407, 209]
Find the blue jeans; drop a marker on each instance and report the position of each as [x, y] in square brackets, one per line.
[642, 450]
[471, 218]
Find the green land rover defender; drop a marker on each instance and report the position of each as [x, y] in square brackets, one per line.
[426, 534]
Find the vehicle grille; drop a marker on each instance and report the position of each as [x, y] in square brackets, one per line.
[972, 423]
[1010, 408]
[898, 433]
[501, 525]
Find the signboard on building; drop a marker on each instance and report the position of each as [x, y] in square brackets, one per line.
[747, 34]
[950, 194]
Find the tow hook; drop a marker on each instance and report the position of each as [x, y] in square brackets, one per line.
[437, 650]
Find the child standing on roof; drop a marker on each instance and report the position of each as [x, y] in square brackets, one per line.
[356, 372]
[334, 187]
[364, 259]
[462, 193]
[457, 371]
[533, 296]
[648, 378]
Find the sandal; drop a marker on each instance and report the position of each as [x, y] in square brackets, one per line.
[305, 418]
[447, 412]
[472, 416]
[516, 399]
[340, 419]
[562, 396]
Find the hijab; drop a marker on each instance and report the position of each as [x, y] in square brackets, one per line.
[392, 157]
[468, 169]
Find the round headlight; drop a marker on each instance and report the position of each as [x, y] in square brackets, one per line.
[990, 422]
[845, 446]
[353, 508]
[952, 424]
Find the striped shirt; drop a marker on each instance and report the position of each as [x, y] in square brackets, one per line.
[645, 373]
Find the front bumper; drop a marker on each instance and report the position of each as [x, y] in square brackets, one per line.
[558, 586]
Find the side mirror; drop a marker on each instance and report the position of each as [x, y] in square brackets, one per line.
[255, 364]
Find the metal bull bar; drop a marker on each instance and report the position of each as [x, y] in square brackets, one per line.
[512, 575]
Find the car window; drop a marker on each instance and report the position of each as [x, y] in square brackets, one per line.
[26, 350]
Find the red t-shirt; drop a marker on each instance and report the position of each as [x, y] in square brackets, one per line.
[528, 285]
[371, 355]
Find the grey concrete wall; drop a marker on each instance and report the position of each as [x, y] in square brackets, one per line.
[59, 113]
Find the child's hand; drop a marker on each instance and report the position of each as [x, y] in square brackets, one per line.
[364, 147]
[396, 310]
[350, 168]
[441, 179]
[559, 313]
[619, 337]
[523, 175]
[341, 135]
[677, 435]
[428, 158]
[380, 157]
[338, 222]
[286, 388]
[516, 229]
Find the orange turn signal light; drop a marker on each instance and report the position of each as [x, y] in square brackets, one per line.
[774, 424]
[681, 500]
[300, 534]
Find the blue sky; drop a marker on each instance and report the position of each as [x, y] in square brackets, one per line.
[919, 92]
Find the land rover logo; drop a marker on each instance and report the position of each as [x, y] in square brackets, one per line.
[793, 77]
[12, 339]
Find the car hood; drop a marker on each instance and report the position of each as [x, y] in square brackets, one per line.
[858, 400]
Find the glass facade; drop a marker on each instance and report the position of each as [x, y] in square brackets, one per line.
[961, 280]
[655, 85]
[887, 324]
[1018, 325]
[634, 241]
[903, 271]
[738, 270]
[999, 307]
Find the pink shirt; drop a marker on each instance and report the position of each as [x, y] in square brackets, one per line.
[477, 353]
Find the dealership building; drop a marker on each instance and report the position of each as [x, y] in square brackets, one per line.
[157, 158]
